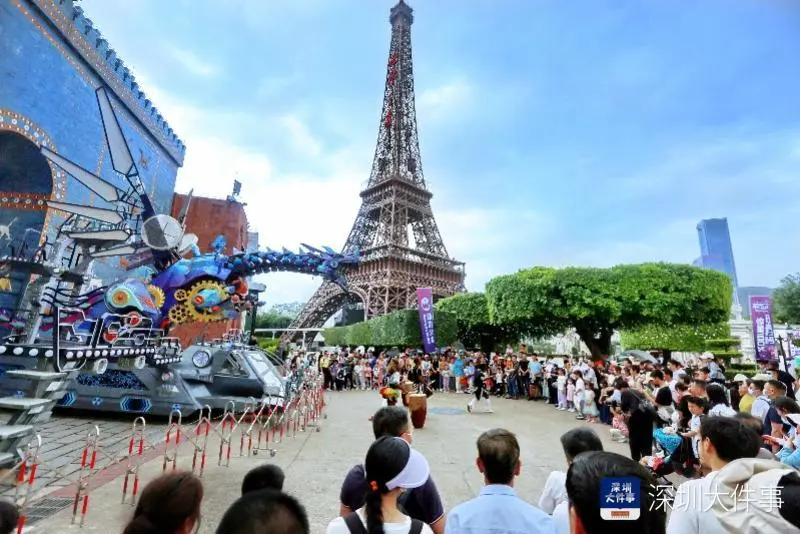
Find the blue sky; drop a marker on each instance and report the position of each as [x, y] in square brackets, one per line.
[583, 132]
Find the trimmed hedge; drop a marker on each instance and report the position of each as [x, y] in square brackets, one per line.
[398, 329]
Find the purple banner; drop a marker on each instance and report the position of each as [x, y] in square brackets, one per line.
[763, 335]
[425, 305]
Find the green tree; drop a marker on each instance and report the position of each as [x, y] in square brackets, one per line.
[398, 329]
[786, 300]
[680, 338]
[595, 302]
[272, 318]
[474, 329]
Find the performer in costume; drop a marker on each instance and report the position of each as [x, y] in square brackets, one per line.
[478, 382]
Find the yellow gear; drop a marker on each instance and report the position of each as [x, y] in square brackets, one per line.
[181, 295]
[179, 314]
[158, 295]
[201, 315]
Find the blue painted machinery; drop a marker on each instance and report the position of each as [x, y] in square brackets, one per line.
[111, 341]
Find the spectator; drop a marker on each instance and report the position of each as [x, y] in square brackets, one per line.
[583, 489]
[756, 425]
[9, 517]
[760, 405]
[782, 376]
[421, 503]
[745, 398]
[641, 418]
[267, 476]
[497, 509]
[391, 466]
[265, 511]
[773, 422]
[722, 440]
[554, 497]
[718, 401]
[169, 504]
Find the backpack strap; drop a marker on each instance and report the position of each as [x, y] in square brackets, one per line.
[354, 524]
[416, 526]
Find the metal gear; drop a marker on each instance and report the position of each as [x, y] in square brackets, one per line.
[181, 295]
[179, 314]
[158, 295]
[194, 299]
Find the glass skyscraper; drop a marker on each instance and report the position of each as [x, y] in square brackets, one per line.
[716, 251]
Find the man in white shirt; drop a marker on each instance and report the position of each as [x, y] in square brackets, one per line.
[554, 495]
[761, 405]
[722, 440]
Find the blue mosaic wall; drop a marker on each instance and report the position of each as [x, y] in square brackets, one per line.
[51, 62]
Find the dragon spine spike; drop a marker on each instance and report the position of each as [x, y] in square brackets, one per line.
[100, 214]
[121, 158]
[100, 187]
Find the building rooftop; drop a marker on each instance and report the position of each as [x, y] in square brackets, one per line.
[79, 31]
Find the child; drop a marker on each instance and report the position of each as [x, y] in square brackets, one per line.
[696, 406]
[561, 386]
[578, 398]
[571, 394]
[590, 407]
[619, 430]
[358, 375]
[368, 375]
[444, 372]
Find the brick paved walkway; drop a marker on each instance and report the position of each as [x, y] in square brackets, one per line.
[315, 462]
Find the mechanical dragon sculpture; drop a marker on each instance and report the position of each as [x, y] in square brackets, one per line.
[168, 281]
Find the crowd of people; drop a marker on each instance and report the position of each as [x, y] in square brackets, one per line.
[393, 491]
[735, 441]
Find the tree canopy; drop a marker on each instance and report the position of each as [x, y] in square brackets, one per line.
[471, 313]
[595, 302]
[680, 338]
[786, 300]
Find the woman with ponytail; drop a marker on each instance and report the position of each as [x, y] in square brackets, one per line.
[170, 504]
[391, 467]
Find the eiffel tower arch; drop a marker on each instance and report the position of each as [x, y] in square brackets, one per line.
[395, 231]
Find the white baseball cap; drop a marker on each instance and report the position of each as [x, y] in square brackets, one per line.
[414, 474]
[740, 378]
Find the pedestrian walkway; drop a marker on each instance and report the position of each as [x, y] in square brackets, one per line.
[316, 462]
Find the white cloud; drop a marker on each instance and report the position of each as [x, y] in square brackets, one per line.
[441, 101]
[301, 138]
[192, 63]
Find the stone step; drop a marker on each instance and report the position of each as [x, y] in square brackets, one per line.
[22, 403]
[38, 376]
[24, 410]
[15, 431]
[7, 459]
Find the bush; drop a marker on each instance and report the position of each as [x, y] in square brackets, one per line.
[398, 329]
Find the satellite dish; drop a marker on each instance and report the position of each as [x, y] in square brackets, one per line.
[162, 232]
[187, 242]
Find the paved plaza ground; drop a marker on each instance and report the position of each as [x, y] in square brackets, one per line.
[316, 462]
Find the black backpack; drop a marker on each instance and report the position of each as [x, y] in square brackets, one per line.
[354, 524]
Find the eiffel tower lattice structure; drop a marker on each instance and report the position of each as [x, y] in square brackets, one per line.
[395, 232]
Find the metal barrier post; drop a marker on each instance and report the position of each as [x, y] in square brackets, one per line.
[27, 478]
[201, 439]
[227, 426]
[88, 459]
[172, 426]
[246, 422]
[135, 452]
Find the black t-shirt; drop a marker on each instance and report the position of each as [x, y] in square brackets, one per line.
[421, 503]
[788, 381]
[774, 417]
[477, 378]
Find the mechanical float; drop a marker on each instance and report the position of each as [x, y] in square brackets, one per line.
[110, 341]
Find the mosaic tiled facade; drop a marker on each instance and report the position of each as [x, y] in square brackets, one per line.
[51, 61]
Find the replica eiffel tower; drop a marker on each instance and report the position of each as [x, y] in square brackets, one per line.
[395, 232]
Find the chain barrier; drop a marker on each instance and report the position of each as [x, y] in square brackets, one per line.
[260, 426]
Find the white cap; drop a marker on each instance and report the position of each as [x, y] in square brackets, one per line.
[414, 474]
[740, 378]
